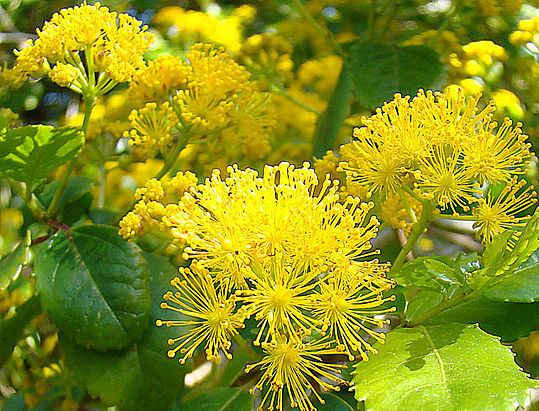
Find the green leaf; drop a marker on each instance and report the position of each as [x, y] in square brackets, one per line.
[446, 367]
[422, 302]
[381, 70]
[430, 273]
[141, 377]
[505, 267]
[76, 187]
[496, 249]
[522, 286]
[222, 399]
[330, 121]
[510, 321]
[94, 285]
[12, 329]
[31, 153]
[11, 265]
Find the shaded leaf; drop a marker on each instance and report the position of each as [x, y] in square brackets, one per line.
[12, 329]
[31, 153]
[11, 265]
[330, 121]
[140, 377]
[222, 399]
[510, 321]
[381, 70]
[76, 187]
[446, 367]
[94, 286]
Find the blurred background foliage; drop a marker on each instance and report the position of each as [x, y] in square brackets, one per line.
[483, 46]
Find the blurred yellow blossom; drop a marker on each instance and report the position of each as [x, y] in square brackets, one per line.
[112, 44]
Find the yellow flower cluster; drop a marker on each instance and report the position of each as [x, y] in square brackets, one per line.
[268, 56]
[213, 97]
[162, 77]
[528, 31]
[439, 148]
[83, 40]
[152, 127]
[280, 248]
[152, 199]
[321, 74]
[189, 26]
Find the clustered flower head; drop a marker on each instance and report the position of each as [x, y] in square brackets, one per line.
[208, 95]
[441, 149]
[280, 249]
[81, 41]
[527, 34]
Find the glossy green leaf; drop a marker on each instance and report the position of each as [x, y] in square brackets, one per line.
[11, 265]
[510, 321]
[446, 367]
[430, 273]
[422, 302]
[381, 70]
[94, 285]
[31, 153]
[140, 377]
[12, 329]
[509, 267]
[330, 121]
[522, 286]
[222, 399]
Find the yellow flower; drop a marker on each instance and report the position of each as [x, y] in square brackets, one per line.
[496, 215]
[228, 223]
[373, 163]
[280, 301]
[153, 127]
[444, 181]
[269, 56]
[496, 156]
[113, 45]
[424, 136]
[320, 74]
[297, 367]
[190, 26]
[394, 211]
[207, 312]
[131, 225]
[162, 77]
[346, 308]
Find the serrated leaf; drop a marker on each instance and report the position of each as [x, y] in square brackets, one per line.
[330, 121]
[381, 70]
[496, 249]
[222, 399]
[12, 328]
[509, 321]
[505, 267]
[11, 265]
[31, 153]
[430, 273]
[140, 377]
[94, 285]
[446, 367]
[522, 286]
